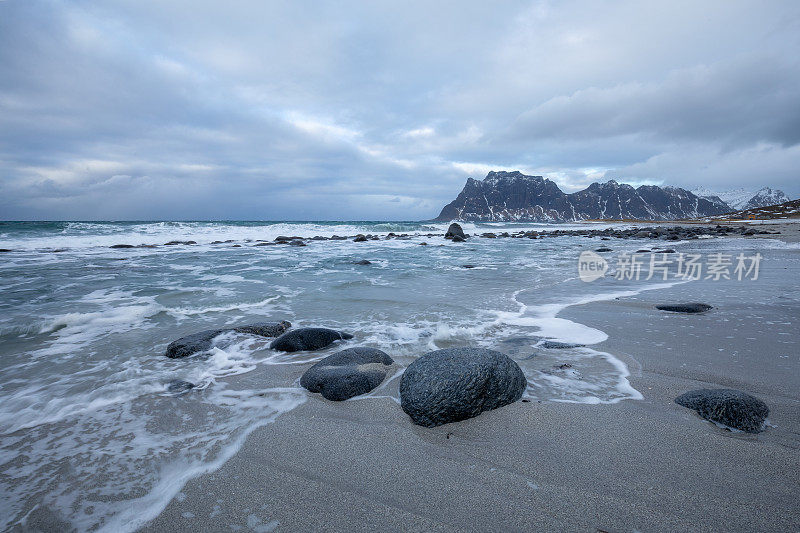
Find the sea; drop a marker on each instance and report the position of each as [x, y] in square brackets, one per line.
[92, 435]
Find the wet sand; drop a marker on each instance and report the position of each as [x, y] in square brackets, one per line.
[647, 465]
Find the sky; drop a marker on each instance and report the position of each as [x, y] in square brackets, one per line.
[295, 110]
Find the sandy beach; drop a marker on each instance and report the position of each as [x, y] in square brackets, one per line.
[637, 465]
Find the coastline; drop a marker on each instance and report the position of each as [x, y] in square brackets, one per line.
[646, 465]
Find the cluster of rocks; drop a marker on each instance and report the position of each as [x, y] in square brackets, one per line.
[449, 385]
[204, 340]
[666, 233]
[439, 387]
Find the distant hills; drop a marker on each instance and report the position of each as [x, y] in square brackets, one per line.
[785, 210]
[741, 199]
[514, 196]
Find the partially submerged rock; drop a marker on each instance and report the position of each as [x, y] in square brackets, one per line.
[362, 262]
[348, 373]
[203, 340]
[304, 339]
[459, 383]
[729, 407]
[179, 386]
[555, 345]
[454, 231]
[684, 308]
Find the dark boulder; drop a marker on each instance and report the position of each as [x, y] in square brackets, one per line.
[603, 249]
[467, 266]
[4, 250]
[122, 246]
[685, 308]
[458, 239]
[732, 408]
[297, 242]
[348, 373]
[362, 262]
[304, 339]
[454, 231]
[360, 238]
[459, 383]
[203, 340]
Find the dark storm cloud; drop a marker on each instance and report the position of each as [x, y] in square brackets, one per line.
[178, 109]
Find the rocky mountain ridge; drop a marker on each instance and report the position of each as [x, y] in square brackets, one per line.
[514, 196]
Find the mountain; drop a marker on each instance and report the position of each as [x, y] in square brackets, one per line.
[513, 196]
[785, 210]
[741, 199]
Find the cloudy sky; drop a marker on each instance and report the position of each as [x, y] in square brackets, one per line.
[195, 109]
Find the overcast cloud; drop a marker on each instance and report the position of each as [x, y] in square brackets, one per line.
[178, 109]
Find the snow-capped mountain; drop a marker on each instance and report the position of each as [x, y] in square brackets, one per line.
[513, 196]
[764, 197]
[739, 199]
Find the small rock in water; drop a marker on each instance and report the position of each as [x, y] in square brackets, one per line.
[467, 266]
[555, 345]
[348, 373]
[202, 341]
[4, 250]
[458, 239]
[304, 339]
[297, 242]
[732, 408]
[685, 308]
[362, 262]
[178, 386]
[360, 238]
[459, 383]
[603, 249]
[122, 246]
[667, 251]
[454, 231]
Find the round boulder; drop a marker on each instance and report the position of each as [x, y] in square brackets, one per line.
[729, 407]
[304, 339]
[459, 383]
[348, 373]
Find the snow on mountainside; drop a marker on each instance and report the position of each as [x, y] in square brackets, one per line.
[738, 199]
[764, 197]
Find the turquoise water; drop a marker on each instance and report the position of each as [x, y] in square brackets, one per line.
[90, 431]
